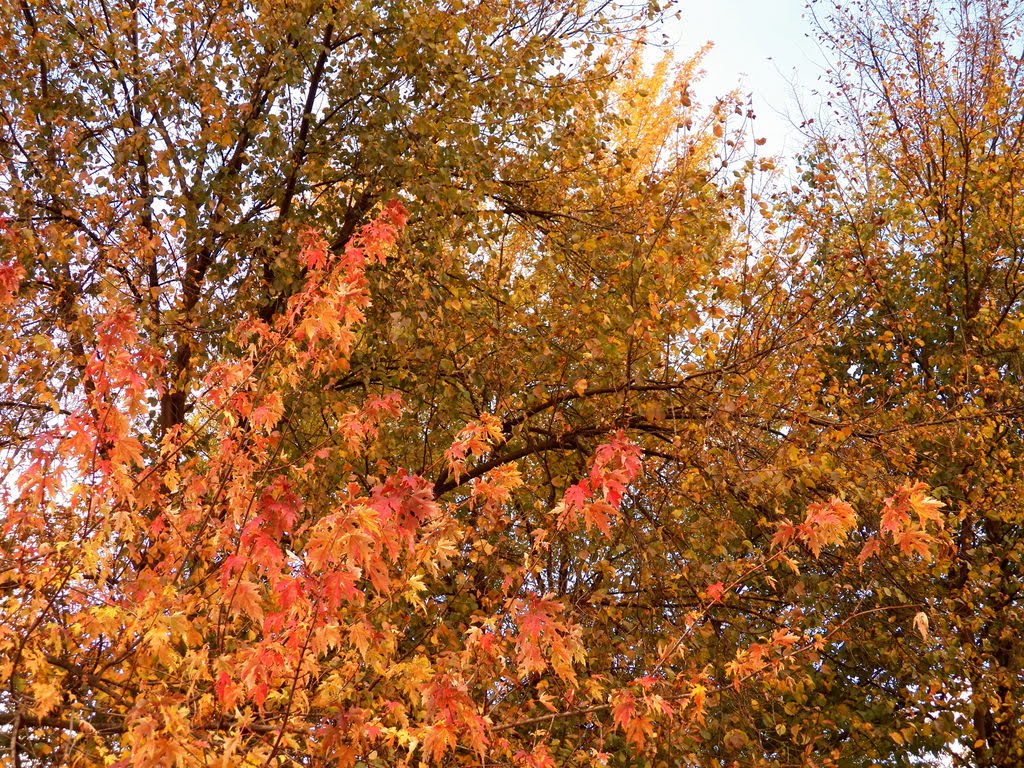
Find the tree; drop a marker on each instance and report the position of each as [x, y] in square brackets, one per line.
[411, 383]
[915, 219]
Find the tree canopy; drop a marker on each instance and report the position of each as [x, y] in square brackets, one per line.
[415, 383]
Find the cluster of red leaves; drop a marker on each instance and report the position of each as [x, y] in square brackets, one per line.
[823, 525]
[597, 497]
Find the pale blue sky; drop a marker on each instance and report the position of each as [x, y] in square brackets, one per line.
[764, 47]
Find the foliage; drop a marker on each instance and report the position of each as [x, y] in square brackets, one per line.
[413, 383]
[915, 221]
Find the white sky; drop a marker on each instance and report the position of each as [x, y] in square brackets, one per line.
[766, 48]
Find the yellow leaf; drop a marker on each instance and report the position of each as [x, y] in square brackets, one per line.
[47, 697]
[921, 624]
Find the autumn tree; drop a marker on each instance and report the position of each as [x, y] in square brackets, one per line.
[914, 218]
[407, 383]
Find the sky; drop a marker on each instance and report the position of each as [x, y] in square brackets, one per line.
[764, 47]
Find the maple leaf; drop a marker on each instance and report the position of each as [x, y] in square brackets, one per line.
[913, 541]
[438, 739]
[289, 592]
[924, 506]
[895, 514]
[599, 515]
[715, 591]
[870, 548]
[245, 597]
[785, 533]
[314, 250]
[576, 496]
[226, 690]
[624, 710]
[361, 635]
[46, 697]
[259, 693]
[268, 413]
[11, 275]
